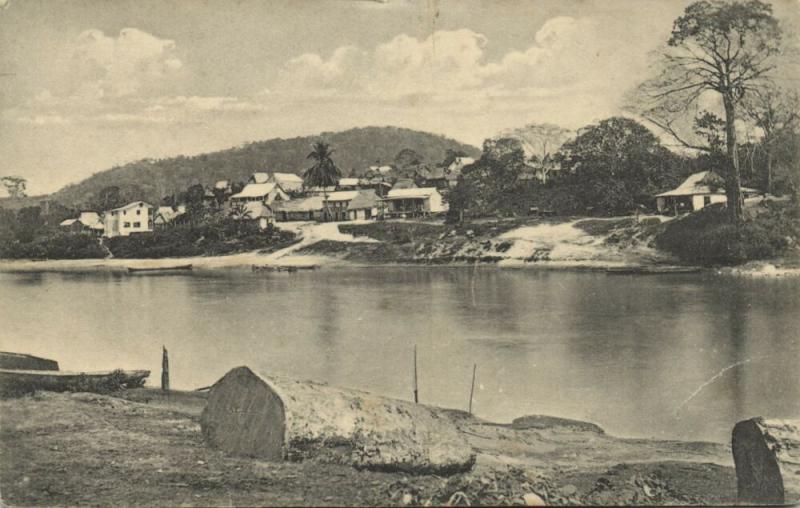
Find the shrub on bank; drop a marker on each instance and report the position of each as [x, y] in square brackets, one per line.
[55, 245]
[708, 237]
[214, 239]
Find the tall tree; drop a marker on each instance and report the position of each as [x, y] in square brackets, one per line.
[775, 111]
[617, 165]
[541, 142]
[323, 173]
[15, 185]
[725, 48]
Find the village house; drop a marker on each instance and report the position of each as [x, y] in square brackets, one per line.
[87, 222]
[453, 171]
[416, 202]
[320, 191]
[302, 209]
[432, 177]
[352, 205]
[289, 182]
[259, 212]
[136, 217]
[259, 177]
[696, 192]
[348, 184]
[264, 192]
[169, 216]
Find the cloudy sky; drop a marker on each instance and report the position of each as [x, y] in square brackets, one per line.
[87, 84]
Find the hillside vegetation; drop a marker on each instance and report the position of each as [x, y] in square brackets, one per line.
[354, 149]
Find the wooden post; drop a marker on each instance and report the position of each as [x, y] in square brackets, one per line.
[165, 370]
[416, 390]
[472, 388]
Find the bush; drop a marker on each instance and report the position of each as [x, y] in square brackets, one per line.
[54, 245]
[708, 237]
[212, 239]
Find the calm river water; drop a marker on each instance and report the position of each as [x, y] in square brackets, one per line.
[676, 356]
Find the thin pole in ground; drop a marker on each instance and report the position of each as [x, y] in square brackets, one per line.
[472, 388]
[416, 387]
[165, 370]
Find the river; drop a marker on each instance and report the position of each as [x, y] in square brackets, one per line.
[673, 356]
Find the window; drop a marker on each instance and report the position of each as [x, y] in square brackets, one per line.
[127, 224]
[138, 212]
[137, 224]
[706, 200]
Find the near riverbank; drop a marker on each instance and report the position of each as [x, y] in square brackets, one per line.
[70, 449]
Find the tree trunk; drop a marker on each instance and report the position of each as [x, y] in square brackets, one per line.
[769, 170]
[767, 458]
[732, 178]
[251, 415]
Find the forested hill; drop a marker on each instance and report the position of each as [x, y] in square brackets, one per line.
[354, 149]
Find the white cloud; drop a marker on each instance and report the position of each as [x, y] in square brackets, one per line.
[121, 65]
[569, 54]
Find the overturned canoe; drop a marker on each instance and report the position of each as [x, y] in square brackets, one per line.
[251, 415]
[652, 270]
[18, 382]
[282, 268]
[20, 361]
[160, 269]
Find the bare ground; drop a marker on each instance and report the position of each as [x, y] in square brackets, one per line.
[144, 449]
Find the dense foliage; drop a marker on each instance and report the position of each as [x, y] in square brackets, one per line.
[216, 237]
[611, 168]
[708, 237]
[53, 245]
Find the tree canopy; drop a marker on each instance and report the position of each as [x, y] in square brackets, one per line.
[723, 48]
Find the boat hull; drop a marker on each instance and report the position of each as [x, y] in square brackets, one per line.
[20, 382]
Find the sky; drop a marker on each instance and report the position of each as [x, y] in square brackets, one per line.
[89, 84]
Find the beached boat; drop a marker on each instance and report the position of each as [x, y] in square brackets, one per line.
[160, 269]
[282, 268]
[20, 361]
[15, 382]
[652, 270]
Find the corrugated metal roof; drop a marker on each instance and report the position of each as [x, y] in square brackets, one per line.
[310, 204]
[342, 195]
[255, 190]
[423, 192]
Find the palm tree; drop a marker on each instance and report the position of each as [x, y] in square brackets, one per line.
[324, 172]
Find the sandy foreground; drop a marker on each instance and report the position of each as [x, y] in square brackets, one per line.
[143, 448]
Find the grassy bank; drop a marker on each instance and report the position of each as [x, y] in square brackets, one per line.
[143, 447]
[707, 237]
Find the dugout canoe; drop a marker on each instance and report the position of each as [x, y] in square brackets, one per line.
[651, 270]
[160, 269]
[17, 382]
[20, 361]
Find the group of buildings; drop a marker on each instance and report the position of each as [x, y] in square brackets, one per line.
[279, 197]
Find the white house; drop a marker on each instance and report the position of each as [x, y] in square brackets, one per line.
[258, 211]
[697, 191]
[414, 202]
[264, 192]
[136, 217]
[289, 182]
[346, 184]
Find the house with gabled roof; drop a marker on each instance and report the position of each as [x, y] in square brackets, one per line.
[133, 218]
[696, 192]
[264, 192]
